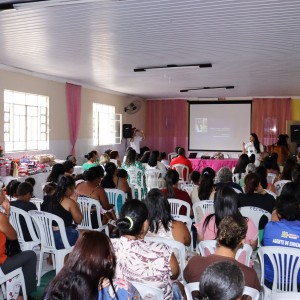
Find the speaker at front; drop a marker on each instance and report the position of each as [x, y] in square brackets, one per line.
[127, 131]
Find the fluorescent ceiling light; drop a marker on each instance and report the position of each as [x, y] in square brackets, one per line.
[228, 87]
[143, 69]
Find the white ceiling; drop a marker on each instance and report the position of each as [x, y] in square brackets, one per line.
[253, 45]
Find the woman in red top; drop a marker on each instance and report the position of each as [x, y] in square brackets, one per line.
[26, 259]
[172, 190]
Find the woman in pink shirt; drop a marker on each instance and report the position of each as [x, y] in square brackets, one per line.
[226, 204]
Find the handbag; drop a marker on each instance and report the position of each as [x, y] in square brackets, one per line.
[12, 247]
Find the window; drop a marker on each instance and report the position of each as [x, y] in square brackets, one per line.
[26, 120]
[106, 125]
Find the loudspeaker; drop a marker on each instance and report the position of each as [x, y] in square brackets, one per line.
[127, 131]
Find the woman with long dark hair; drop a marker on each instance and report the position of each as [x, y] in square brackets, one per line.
[89, 273]
[172, 190]
[161, 223]
[253, 147]
[56, 172]
[225, 204]
[207, 186]
[62, 205]
[112, 181]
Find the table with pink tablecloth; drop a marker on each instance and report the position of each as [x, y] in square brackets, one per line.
[216, 164]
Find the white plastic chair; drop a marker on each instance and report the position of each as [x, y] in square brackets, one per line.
[237, 176]
[116, 198]
[4, 278]
[146, 290]
[172, 155]
[178, 249]
[189, 288]
[285, 296]
[201, 208]
[14, 220]
[86, 205]
[134, 176]
[210, 245]
[188, 187]
[43, 222]
[182, 170]
[285, 263]
[237, 190]
[271, 177]
[279, 185]
[176, 204]
[271, 193]
[152, 178]
[38, 202]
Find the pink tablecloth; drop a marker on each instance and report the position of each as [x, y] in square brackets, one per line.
[216, 164]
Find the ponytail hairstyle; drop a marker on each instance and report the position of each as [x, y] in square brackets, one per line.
[133, 214]
[108, 180]
[172, 177]
[206, 183]
[91, 154]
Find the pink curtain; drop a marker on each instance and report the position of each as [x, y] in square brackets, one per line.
[73, 97]
[269, 116]
[166, 124]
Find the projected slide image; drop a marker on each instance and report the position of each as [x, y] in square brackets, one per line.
[201, 125]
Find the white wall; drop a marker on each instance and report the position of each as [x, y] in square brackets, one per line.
[59, 142]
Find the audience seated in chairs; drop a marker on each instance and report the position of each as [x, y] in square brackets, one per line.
[62, 205]
[286, 231]
[230, 236]
[161, 223]
[26, 259]
[115, 158]
[92, 158]
[154, 162]
[222, 280]
[134, 254]
[226, 204]
[261, 171]
[172, 190]
[164, 159]
[288, 169]
[241, 164]
[68, 167]
[56, 173]
[24, 193]
[89, 273]
[112, 181]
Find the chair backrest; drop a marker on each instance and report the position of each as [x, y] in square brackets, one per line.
[176, 204]
[177, 247]
[255, 213]
[134, 175]
[150, 291]
[152, 178]
[189, 288]
[172, 155]
[279, 185]
[253, 293]
[285, 263]
[184, 219]
[236, 177]
[86, 204]
[182, 170]
[271, 193]
[43, 222]
[188, 187]
[38, 202]
[117, 198]
[208, 247]
[201, 208]
[271, 178]
[285, 296]
[237, 190]
[14, 220]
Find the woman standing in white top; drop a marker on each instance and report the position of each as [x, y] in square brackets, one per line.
[253, 147]
[137, 137]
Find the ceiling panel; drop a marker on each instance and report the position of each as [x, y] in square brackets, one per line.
[253, 45]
